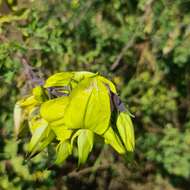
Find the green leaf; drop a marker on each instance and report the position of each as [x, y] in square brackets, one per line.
[126, 131]
[54, 109]
[11, 17]
[67, 79]
[18, 119]
[46, 141]
[80, 75]
[112, 139]
[61, 132]
[85, 144]
[98, 111]
[76, 134]
[35, 122]
[59, 79]
[39, 93]
[89, 107]
[63, 151]
[28, 101]
[76, 109]
[109, 83]
[41, 128]
[43, 144]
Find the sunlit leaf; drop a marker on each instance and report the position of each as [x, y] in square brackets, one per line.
[43, 144]
[35, 122]
[108, 83]
[63, 151]
[39, 94]
[75, 135]
[67, 78]
[59, 79]
[18, 119]
[80, 75]
[61, 132]
[28, 101]
[76, 109]
[85, 144]
[89, 107]
[39, 132]
[54, 109]
[126, 131]
[112, 138]
[98, 110]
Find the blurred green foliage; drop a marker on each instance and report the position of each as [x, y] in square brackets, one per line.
[141, 45]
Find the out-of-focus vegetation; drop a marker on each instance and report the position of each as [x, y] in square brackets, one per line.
[143, 46]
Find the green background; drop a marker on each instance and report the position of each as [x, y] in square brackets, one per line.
[143, 46]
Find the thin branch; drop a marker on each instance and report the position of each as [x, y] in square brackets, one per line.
[98, 166]
[78, 174]
[131, 42]
[124, 49]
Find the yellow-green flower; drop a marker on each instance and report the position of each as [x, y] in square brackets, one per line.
[74, 105]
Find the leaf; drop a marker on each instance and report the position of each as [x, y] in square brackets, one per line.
[109, 83]
[18, 119]
[63, 151]
[59, 79]
[11, 17]
[98, 111]
[61, 132]
[89, 107]
[34, 123]
[39, 93]
[112, 139]
[67, 78]
[76, 109]
[85, 144]
[76, 134]
[43, 144]
[126, 131]
[54, 109]
[28, 101]
[40, 130]
[80, 75]
[46, 141]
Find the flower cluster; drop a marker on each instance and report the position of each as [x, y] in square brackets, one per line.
[74, 106]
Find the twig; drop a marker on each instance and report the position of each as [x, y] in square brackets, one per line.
[130, 43]
[98, 165]
[121, 54]
[85, 171]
